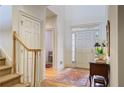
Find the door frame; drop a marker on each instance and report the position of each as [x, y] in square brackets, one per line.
[54, 64]
[23, 13]
[55, 44]
[53, 30]
[28, 15]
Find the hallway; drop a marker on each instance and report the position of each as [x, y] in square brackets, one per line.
[68, 77]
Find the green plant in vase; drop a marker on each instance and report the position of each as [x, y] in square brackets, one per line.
[100, 51]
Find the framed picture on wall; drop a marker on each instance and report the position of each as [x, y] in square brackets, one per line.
[108, 36]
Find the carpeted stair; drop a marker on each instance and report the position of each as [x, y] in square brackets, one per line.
[7, 78]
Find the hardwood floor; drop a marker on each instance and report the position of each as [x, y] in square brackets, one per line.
[50, 73]
[68, 77]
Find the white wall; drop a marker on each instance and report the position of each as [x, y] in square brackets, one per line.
[48, 43]
[49, 40]
[77, 16]
[113, 17]
[6, 30]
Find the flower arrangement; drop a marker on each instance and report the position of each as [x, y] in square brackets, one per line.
[100, 50]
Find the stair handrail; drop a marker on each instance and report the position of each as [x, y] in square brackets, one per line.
[23, 43]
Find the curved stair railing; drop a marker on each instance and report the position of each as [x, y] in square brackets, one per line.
[31, 60]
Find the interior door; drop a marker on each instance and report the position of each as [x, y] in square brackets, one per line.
[85, 41]
[29, 30]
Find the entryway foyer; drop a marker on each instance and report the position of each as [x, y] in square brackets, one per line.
[54, 45]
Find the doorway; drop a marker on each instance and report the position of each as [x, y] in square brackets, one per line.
[50, 37]
[83, 41]
[49, 48]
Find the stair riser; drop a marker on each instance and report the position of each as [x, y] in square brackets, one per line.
[5, 72]
[10, 82]
[2, 62]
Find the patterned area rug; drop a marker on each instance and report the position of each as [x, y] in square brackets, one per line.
[69, 77]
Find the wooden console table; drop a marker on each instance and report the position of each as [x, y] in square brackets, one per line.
[101, 69]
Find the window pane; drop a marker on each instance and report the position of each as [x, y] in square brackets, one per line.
[73, 47]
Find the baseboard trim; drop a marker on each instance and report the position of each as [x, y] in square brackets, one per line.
[76, 67]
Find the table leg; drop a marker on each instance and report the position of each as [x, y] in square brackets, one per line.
[90, 77]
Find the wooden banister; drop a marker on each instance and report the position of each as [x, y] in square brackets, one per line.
[21, 41]
[17, 37]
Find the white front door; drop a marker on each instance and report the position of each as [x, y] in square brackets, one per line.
[85, 41]
[29, 30]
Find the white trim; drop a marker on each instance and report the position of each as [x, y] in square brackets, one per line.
[84, 27]
[23, 13]
[89, 24]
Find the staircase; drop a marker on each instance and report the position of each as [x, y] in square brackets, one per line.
[7, 78]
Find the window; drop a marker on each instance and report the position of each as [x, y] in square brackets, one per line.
[73, 47]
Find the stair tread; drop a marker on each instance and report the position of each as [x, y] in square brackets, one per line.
[2, 58]
[5, 67]
[8, 77]
[21, 85]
